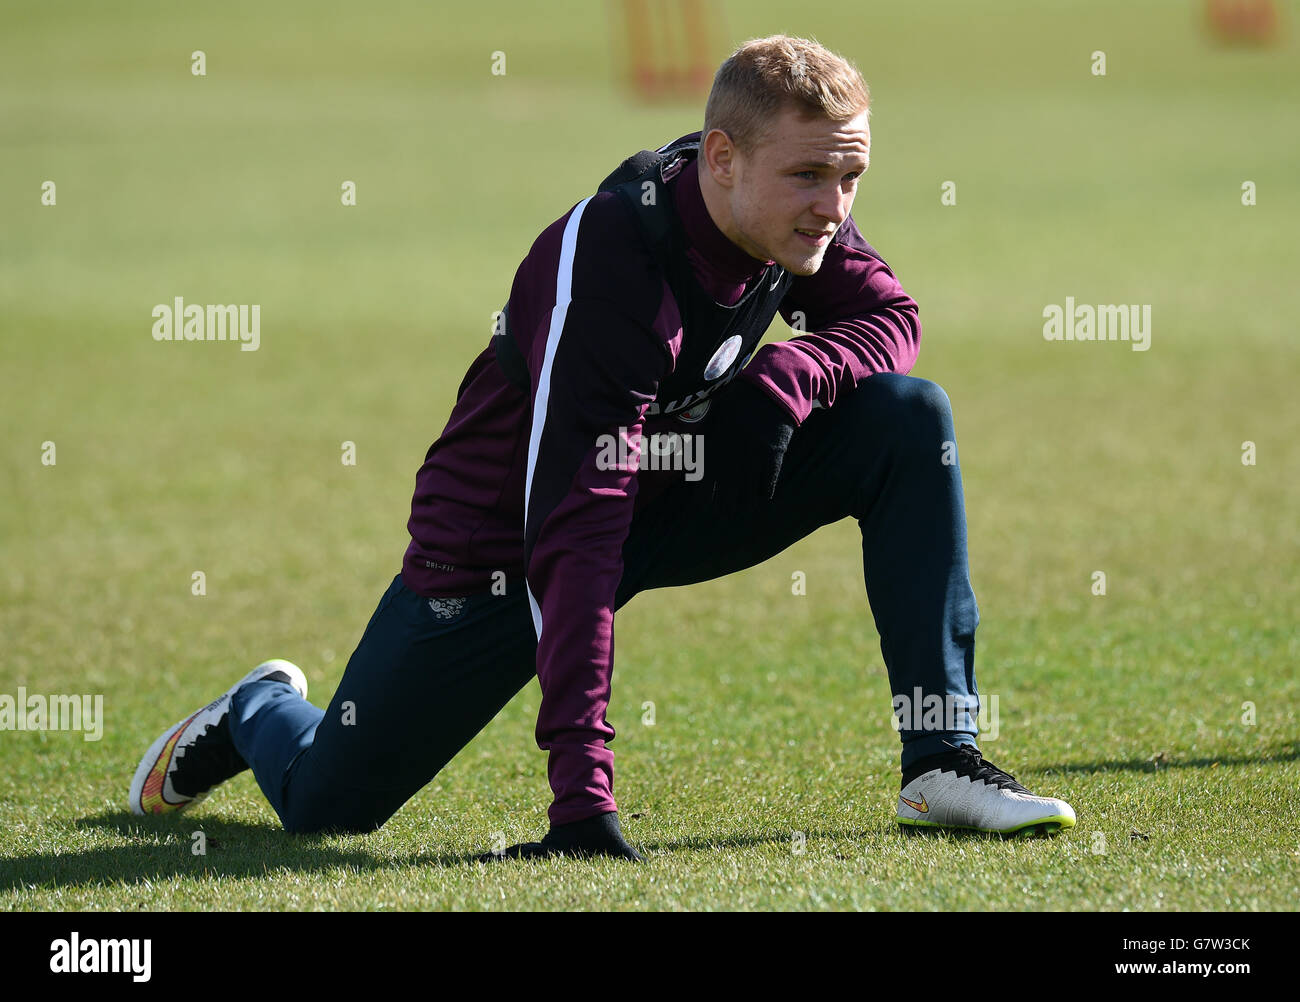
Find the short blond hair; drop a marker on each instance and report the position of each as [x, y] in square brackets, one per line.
[767, 75]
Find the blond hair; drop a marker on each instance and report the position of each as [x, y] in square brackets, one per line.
[767, 75]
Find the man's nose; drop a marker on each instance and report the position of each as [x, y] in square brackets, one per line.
[833, 204]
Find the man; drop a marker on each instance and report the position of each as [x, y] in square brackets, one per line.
[633, 321]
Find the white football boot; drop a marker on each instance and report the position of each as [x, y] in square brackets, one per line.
[960, 790]
[193, 756]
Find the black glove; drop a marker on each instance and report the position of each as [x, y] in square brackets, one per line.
[595, 836]
[745, 441]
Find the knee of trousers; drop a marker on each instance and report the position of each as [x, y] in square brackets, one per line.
[915, 413]
[320, 807]
[329, 820]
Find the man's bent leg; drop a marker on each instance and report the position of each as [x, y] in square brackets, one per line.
[885, 454]
[424, 680]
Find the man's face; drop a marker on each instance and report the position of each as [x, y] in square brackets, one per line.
[791, 193]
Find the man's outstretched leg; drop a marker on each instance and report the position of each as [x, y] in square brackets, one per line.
[426, 677]
[884, 454]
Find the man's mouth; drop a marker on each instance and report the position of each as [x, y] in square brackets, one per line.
[815, 237]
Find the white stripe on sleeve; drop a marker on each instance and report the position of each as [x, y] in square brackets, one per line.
[563, 296]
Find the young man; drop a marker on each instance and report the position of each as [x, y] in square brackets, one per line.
[545, 505]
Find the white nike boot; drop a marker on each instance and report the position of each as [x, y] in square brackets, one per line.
[959, 789]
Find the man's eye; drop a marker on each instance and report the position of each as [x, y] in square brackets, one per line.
[811, 175]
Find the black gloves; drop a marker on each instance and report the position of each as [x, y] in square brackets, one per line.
[595, 836]
[745, 442]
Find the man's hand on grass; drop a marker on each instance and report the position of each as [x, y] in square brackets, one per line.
[595, 836]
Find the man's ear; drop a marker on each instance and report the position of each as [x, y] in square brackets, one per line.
[719, 155]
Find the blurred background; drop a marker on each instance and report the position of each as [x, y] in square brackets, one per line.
[467, 129]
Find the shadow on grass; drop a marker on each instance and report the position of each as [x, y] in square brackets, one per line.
[163, 848]
[750, 841]
[1160, 761]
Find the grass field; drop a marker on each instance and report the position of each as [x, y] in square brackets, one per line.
[772, 709]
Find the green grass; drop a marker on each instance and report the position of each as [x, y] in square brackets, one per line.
[772, 710]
